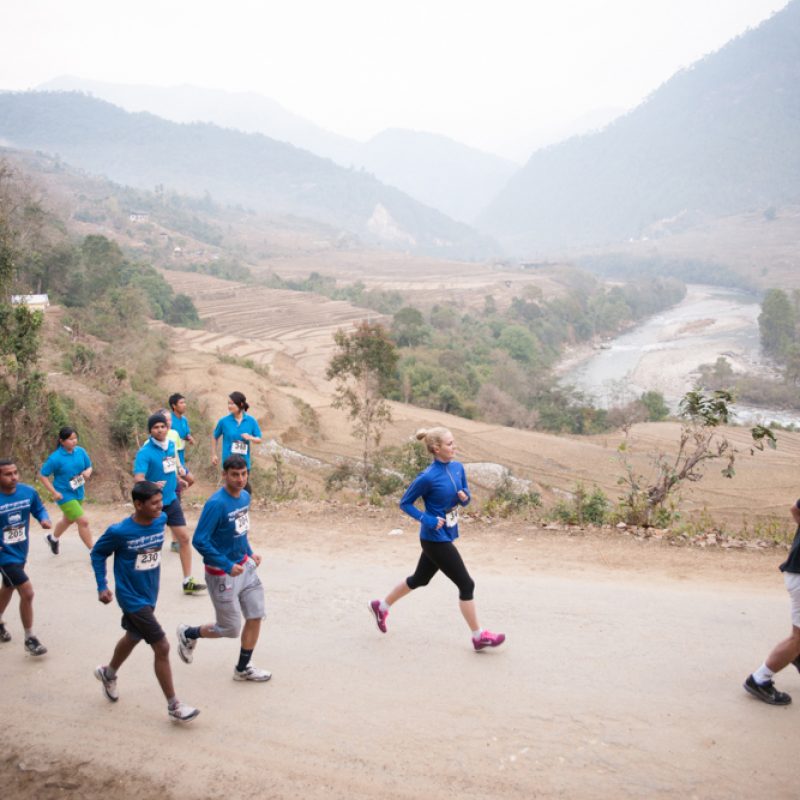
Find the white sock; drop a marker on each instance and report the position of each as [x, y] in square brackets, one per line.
[763, 674]
[384, 606]
[28, 633]
[477, 634]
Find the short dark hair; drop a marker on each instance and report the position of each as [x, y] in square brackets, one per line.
[173, 399]
[234, 461]
[144, 490]
[7, 462]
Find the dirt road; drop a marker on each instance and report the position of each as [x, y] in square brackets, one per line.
[621, 676]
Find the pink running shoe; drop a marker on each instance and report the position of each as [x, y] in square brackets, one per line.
[488, 639]
[380, 616]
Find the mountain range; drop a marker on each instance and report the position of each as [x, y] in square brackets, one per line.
[234, 167]
[720, 137]
[438, 171]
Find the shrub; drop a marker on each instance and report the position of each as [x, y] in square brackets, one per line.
[128, 418]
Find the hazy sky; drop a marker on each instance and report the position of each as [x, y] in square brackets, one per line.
[493, 75]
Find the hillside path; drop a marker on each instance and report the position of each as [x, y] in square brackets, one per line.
[621, 676]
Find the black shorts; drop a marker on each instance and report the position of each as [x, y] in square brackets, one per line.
[174, 512]
[142, 624]
[13, 575]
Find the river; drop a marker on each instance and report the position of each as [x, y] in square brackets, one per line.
[664, 352]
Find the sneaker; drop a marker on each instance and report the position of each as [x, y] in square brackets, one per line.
[34, 646]
[766, 692]
[251, 673]
[488, 639]
[191, 586]
[175, 547]
[180, 712]
[54, 544]
[5, 636]
[380, 616]
[185, 645]
[109, 684]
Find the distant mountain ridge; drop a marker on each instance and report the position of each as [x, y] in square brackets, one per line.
[720, 137]
[251, 170]
[436, 170]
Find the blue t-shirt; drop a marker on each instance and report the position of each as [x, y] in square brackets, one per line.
[66, 468]
[15, 522]
[156, 465]
[221, 532]
[231, 432]
[438, 486]
[181, 426]
[137, 561]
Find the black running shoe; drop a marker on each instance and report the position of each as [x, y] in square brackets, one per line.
[766, 692]
[34, 646]
[5, 636]
[55, 545]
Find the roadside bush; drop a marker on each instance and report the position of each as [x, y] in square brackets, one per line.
[506, 500]
[128, 418]
[584, 507]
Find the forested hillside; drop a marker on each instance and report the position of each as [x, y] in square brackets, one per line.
[248, 170]
[720, 137]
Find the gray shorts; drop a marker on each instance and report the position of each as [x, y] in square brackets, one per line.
[237, 596]
[792, 581]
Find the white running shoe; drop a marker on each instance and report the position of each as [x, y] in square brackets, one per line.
[185, 645]
[109, 684]
[183, 713]
[251, 673]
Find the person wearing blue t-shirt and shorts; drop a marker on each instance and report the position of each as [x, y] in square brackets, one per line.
[157, 461]
[235, 589]
[238, 431]
[136, 544]
[18, 503]
[64, 474]
[443, 489]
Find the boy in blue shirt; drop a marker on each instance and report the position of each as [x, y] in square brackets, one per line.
[157, 461]
[18, 503]
[231, 571]
[136, 544]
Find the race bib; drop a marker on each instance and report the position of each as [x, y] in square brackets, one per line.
[168, 465]
[148, 560]
[451, 518]
[14, 534]
[239, 448]
[242, 523]
[77, 482]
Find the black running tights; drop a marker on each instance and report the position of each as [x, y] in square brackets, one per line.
[442, 556]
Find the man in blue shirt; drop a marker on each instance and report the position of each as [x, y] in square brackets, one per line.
[231, 572]
[180, 424]
[18, 503]
[136, 544]
[157, 461]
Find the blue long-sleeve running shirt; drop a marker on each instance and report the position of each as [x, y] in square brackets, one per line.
[221, 532]
[137, 561]
[16, 510]
[438, 486]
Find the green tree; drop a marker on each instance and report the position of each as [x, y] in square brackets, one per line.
[777, 323]
[656, 407]
[363, 367]
[408, 327]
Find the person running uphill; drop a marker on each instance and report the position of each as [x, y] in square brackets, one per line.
[18, 503]
[238, 431]
[759, 683]
[136, 544]
[443, 488]
[70, 467]
[221, 537]
[157, 461]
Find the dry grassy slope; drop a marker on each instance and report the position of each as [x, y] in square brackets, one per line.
[297, 353]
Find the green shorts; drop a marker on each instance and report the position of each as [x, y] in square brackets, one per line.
[72, 509]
